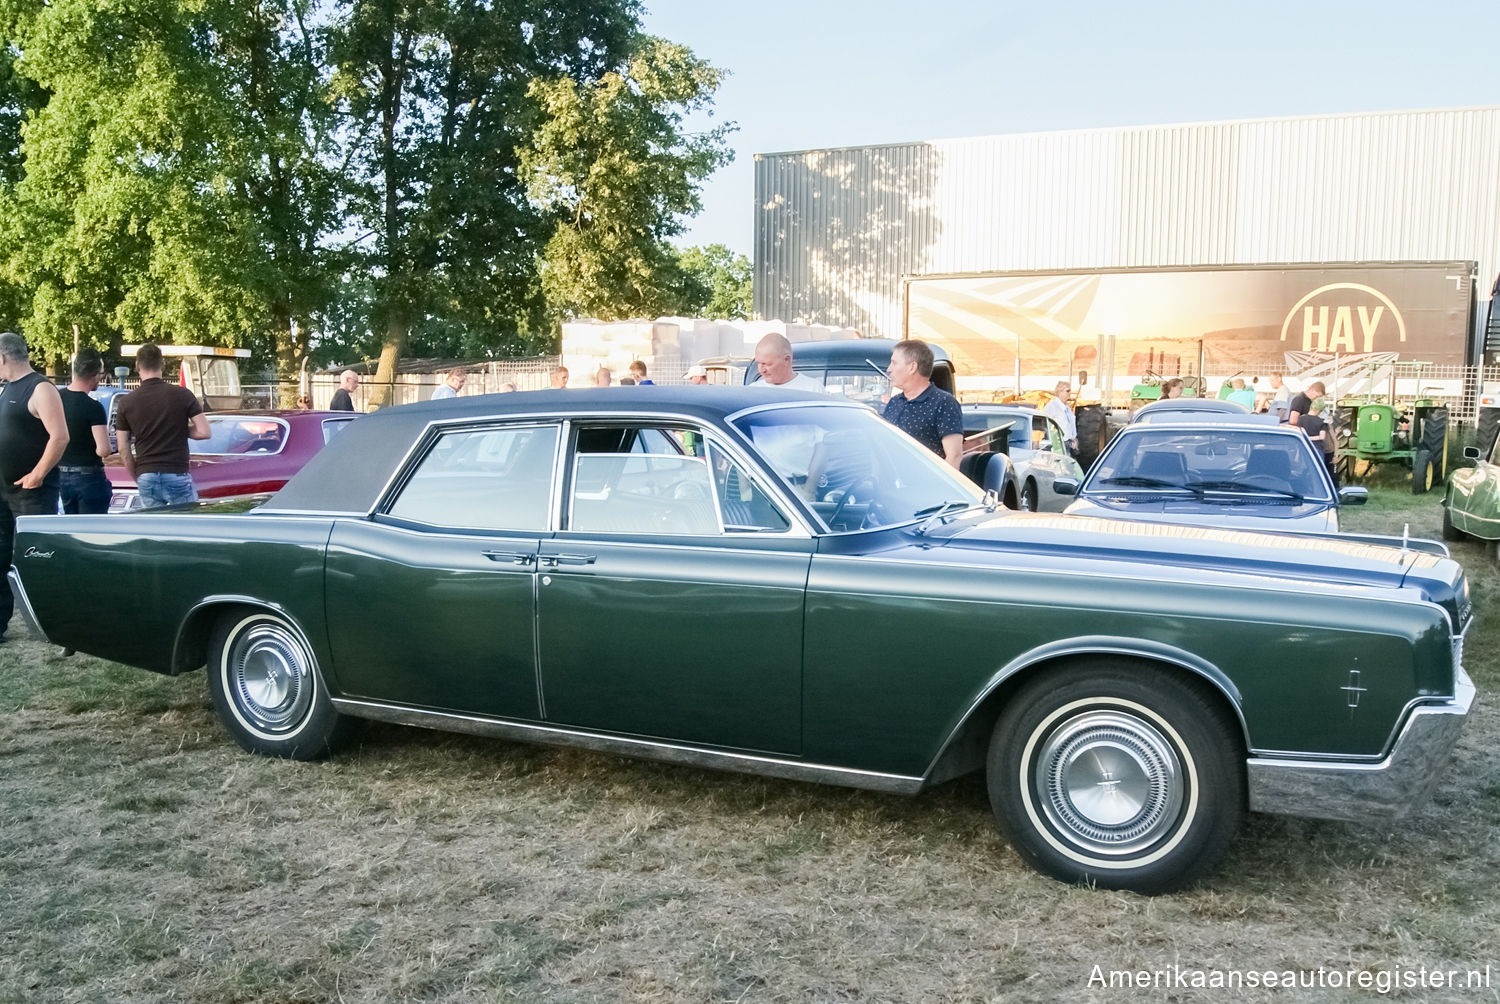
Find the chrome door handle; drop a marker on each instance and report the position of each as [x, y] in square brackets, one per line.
[553, 560]
[514, 557]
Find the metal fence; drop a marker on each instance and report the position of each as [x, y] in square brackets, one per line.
[1457, 387]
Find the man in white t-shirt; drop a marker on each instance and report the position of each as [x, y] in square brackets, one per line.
[1059, 411]
[773, 360]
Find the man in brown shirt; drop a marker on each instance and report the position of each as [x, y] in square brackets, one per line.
[158, 419]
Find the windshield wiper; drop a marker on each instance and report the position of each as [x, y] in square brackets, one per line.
[1138, 482]
[1240, 486]
[934, 513]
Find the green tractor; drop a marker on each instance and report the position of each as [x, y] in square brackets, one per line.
[1149, 389]
[1378, 432]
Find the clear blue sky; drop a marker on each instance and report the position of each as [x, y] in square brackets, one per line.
[809, 74]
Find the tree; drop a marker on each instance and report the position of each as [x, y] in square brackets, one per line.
[718, 283]
[432, 94]
[172, 186]
[615, 170]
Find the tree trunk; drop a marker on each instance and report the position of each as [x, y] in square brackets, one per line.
[291, 348]
[382, 388]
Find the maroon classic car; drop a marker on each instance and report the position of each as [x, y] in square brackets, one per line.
[248, 452]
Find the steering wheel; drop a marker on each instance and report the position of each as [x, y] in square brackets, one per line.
[848, 494]
[689, 490]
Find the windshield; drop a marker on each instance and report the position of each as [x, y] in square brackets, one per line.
[240, 434]
[1187, 461]
[853, 468]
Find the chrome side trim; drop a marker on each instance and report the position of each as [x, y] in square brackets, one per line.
[745, 763]
[23, 604]
[227, 599]
[1367, 792]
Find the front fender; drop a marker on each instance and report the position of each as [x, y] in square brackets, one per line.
[963, 749]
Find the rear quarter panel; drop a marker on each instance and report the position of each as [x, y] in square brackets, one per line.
[121, 587]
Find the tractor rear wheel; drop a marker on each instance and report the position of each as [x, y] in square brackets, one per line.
[1092, 423]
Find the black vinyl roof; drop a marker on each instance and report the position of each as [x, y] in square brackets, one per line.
[349, 474]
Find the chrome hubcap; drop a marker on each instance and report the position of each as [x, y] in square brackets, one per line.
[1110, 782]
[270, 677]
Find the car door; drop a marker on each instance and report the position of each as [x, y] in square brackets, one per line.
[431, 601]
[670, 601]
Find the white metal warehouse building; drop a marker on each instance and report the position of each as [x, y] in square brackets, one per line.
[838, 229]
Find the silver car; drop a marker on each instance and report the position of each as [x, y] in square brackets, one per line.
[1036, 447]
[1232, 473]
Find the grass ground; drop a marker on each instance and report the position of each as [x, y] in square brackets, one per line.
[143, 857]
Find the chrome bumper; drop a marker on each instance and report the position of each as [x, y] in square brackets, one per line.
[23, 604]
[1367, 792]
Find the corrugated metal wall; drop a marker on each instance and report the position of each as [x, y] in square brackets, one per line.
[836, 230]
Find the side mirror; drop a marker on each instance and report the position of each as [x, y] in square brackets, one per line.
[1353, 495]
[1068, 486]
[1471, 453]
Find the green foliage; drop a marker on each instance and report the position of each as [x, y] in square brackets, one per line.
[717, 283]
[613, 167]
[323, 180]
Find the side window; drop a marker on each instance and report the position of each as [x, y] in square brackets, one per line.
[483, 479]
[743, 507]
[1040, 433]
[639, 480]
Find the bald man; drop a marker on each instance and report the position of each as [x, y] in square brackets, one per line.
[773, 360]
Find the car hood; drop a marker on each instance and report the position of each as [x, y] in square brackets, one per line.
[1231, 512]
[1150, 549]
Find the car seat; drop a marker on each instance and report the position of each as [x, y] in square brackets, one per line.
[839, 462]
[1162, 465]
[1269, 463]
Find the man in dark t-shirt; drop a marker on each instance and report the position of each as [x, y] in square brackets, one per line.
[158, 419]
[1322, 433]
[1302, 403]
[83, 488]
[343, 399]
[927, 413]
[33, 434]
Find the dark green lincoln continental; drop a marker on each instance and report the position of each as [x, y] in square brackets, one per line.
[781, 583]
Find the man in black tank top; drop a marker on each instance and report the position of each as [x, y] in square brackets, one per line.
[33, 435]
[83, 487]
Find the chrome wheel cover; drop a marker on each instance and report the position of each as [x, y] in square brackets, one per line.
[1109, 782]
[1027, 503]
[268, 675]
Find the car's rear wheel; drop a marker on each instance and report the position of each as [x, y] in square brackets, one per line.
[1119, 774]
[266, 688]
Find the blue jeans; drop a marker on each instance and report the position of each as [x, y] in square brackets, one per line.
[84, 489]
[159, 489]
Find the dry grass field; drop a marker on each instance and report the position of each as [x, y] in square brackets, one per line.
[143, 857]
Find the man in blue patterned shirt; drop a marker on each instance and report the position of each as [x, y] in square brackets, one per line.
[927, 413]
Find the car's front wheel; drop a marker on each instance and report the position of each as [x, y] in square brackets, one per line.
[1029, 497]
[1119, 774]
[1450, 532]
[266, 689]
